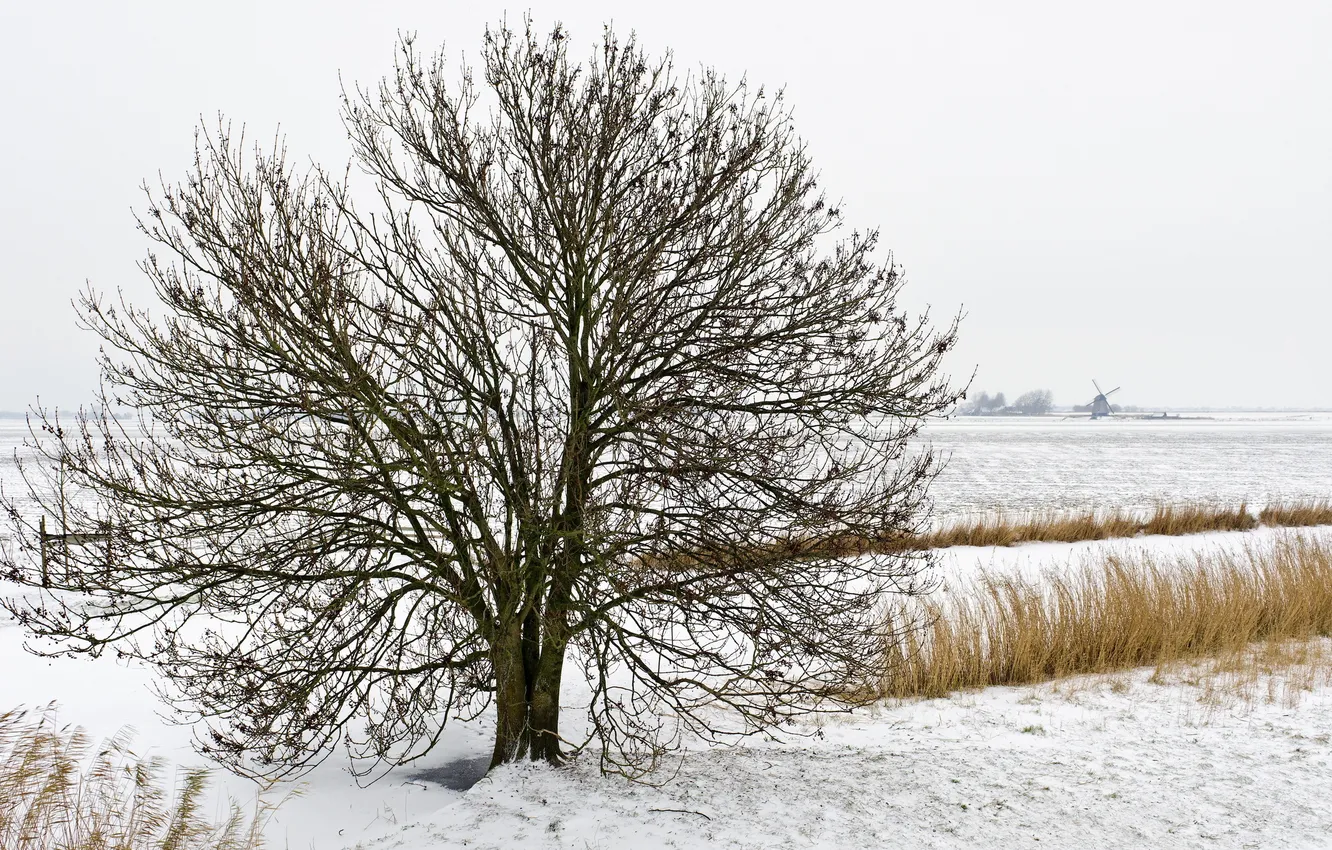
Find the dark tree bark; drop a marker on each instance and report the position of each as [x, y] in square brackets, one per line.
[591, 372]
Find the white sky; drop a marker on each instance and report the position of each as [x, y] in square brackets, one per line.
[1139, 192]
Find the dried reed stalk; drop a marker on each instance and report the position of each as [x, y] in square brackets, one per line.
[1126, 611]
[1004, 529]
[1310, 512]
[58, 794]
[1196, 519]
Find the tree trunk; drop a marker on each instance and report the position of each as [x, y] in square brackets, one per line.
[544, 706]
[510, 696]
[527, 696]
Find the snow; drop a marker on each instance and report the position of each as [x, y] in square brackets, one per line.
[1100, 761]
[103, 695]
[1030, 560]
[1106, 761]
[1024, 464]
[1021, 464]
[1120, 758]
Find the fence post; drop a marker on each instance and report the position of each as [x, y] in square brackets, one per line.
[41, 534]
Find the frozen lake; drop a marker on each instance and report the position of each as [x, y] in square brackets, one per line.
[1024, 464]
[1020, 464]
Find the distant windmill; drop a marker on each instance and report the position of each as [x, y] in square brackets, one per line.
[1100, 406]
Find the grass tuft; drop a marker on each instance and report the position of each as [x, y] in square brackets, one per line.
[58, 794]
[1002, 529]
[1196, 519]
[1124, 612]
[1052, 527]
[1295, 514]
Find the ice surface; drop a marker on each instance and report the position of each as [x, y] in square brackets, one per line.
[1033, 464]
[1017, 464]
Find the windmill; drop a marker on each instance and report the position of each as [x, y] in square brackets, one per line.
[1100, 406]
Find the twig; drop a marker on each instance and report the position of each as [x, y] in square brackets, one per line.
[683, 812]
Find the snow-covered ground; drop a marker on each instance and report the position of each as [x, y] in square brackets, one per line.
[1030, 560]
[1091, 762]
[1101, 761]
[1020, 464]
[1113, 760]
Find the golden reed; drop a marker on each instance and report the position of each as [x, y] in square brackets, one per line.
[1122, 612]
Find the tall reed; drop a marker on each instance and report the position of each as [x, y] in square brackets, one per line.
[1125, 611]
[1006, 529]
[1311, 512]
[57, 793]
[1196, 519]
[1000, 529]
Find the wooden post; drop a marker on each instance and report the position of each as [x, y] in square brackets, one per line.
[64, 540]
[41, 534]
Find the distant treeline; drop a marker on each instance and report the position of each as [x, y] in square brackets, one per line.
[1031, 403]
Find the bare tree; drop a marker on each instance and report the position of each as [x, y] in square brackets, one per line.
[1035, 402]
[985, 404]
[582, 383]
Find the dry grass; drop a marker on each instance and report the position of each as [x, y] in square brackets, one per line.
[56, 793]
[1004, 529]
[1196, 519]
[1054, 527]
[1313, 512]
[1001, 529]
[1124, 612]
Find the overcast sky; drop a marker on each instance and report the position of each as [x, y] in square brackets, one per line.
[1136, 192]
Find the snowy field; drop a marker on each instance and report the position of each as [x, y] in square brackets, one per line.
[1091, 762]
[1120, 761]
[1074, 463]
[1117, 761]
